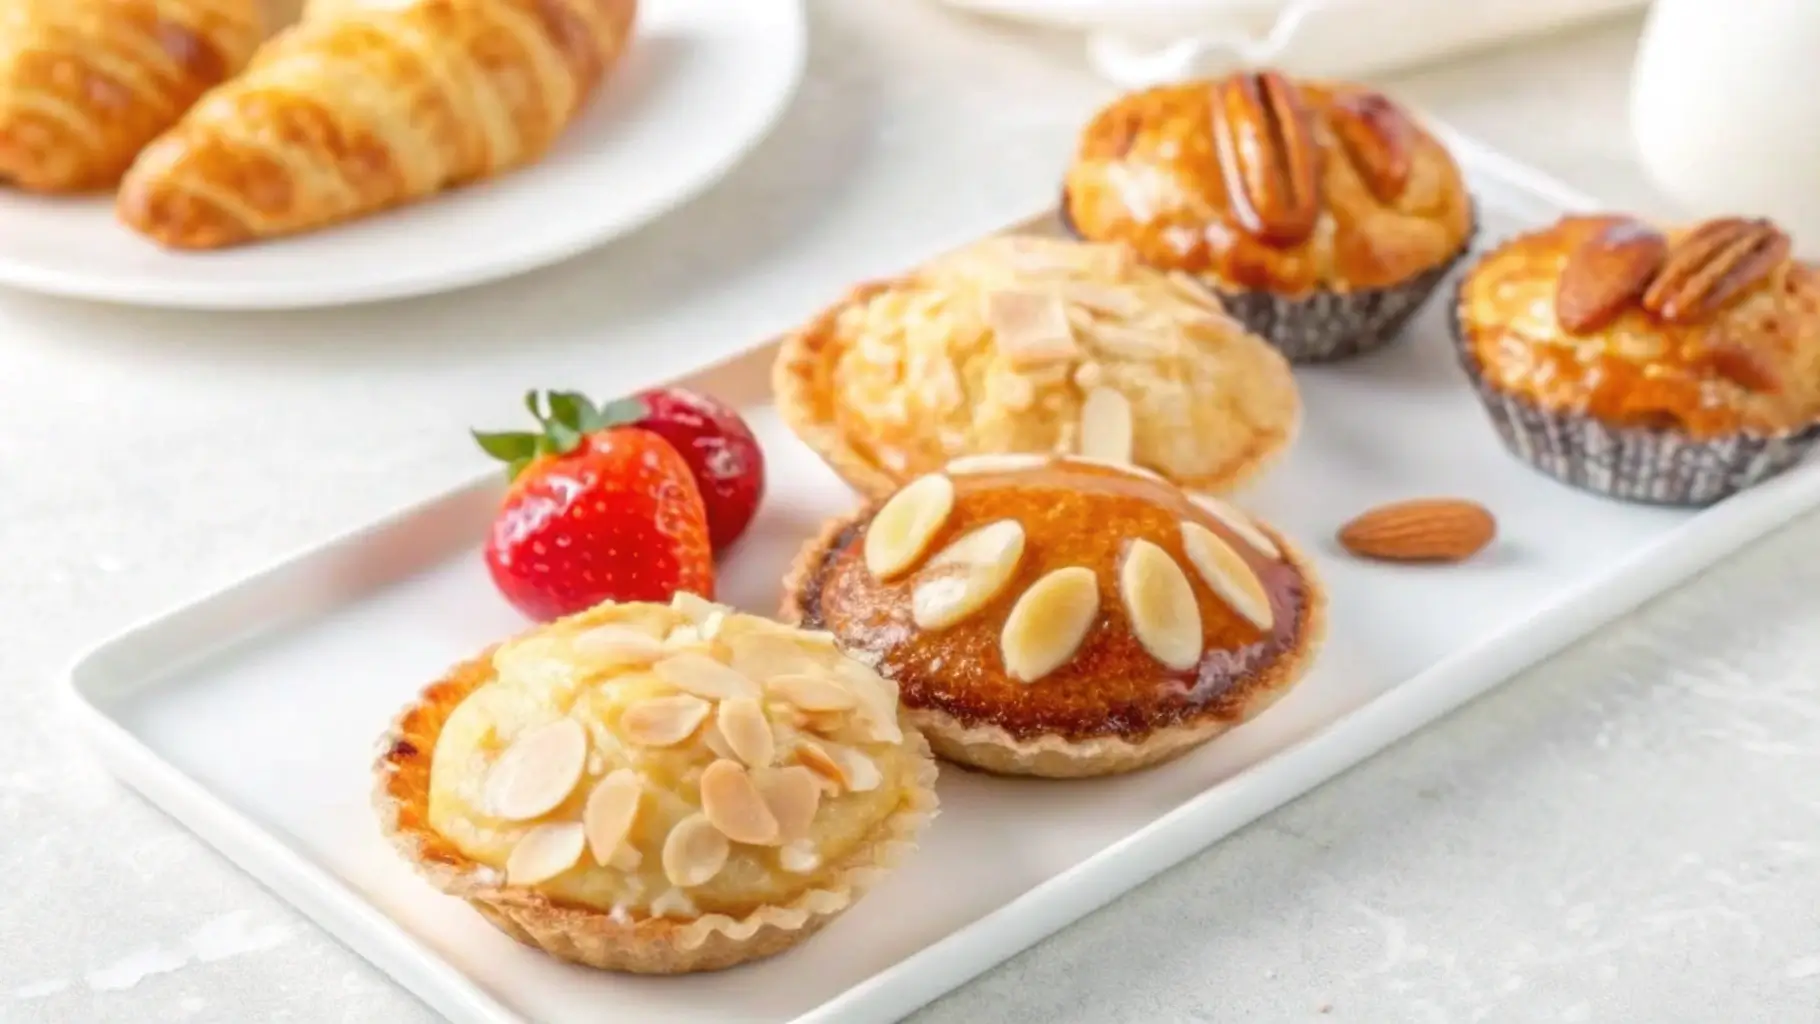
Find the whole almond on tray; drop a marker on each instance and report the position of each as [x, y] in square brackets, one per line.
[1421, 530]
[1607, 273]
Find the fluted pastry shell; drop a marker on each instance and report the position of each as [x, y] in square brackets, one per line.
[1001, 348]
[618, 940]
[990, 723]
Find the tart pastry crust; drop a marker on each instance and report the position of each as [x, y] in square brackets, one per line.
[1109, 703]
[1027, 345]
[640, 940]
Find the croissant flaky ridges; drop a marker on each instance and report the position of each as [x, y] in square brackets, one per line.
[359, 109]
[85, 84]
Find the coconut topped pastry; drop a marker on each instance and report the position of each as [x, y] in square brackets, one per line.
[1023, 344]
[657, 788]
[1673, 364]
[1321, 212]
[1062, 617]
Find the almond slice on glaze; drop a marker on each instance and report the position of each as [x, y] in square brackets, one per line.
[617, 645]
[967, 574]
[545, 852]
[1160, 604]
[1238, 522]
[812, 692]
[694, 852]
[733, 804]
[793, 796]
[1226, 574]
[663, 721]
[1048, 623]
[612, 809]
[903, 528]
[743, 725]
[538, 771]
[1106, 426]
[1029, 326]
[697, 674]
[1128, 468]
[996, 462]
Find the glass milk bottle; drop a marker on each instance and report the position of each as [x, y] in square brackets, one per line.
[1725, 105]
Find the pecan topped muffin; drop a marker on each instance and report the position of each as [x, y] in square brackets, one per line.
[1320, 212]
[1061, 617]
[1022, 344]
[657, 788]
[1670, 365]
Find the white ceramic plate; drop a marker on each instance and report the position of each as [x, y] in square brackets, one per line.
[703, 82]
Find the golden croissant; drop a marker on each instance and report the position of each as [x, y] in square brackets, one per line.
[361, 108]
[85, 84]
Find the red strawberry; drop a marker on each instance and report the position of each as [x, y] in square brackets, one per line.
[720, 449]
[593, 514]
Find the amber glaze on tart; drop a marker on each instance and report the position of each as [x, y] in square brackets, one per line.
[1023, 344]
[1321, 212]
[657, 789]
[1063, 618]
[1669, 365]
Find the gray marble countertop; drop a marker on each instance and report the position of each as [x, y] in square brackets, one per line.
[1630, 832]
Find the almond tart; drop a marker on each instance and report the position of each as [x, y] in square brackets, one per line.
[1058, 617]
[1024, 344]
[657, 788]
[1321, 213]
[1667, 365]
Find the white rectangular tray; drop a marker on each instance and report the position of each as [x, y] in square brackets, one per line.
[251, 714]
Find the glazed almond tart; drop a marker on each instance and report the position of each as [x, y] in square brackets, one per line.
[657, 789]
[1023, 344]
[1060, 617]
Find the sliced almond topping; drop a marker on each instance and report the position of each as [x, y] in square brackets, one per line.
[1194, 292]
[683, 638]
[1128, 468]
[1118, 302]
[842, 765]
[1048, 623]
[712, 738]
[694, 852]
[694, 606]
[611, 811]
[545, 852]
[877, 698]
[626, 858]
[863, 775]
[747, 731]
[1161, 606]
[1226, 574]
[711, 626]
[793, 796]
[812, 692]
[663, 721]
[1030, 327]
[1239, 523]
[734, 805]
[963, 577]
[617, 645]
[764, 655]
[698, 674]
[996, 462]
[538, 771]
[903, 528]
[817, 759]
[799, 858]
[1106, 426]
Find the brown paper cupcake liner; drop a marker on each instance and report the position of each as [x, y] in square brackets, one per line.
[1636, 464]
[619, 941]
[1325, 325]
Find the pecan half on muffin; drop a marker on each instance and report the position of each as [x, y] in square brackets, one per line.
[1021, 344]
[1320, 212]
[656, 788]
[1673, 366]
[1063, 618]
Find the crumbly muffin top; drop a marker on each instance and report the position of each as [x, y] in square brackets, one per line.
[670, 761]
[1707, 329]
[1056, 597]
[1165, 171]
[1021, 344]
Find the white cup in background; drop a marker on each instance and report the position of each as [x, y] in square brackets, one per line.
[1725, 106]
